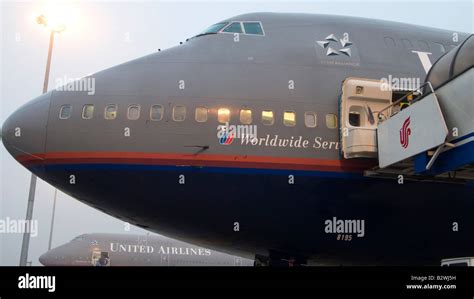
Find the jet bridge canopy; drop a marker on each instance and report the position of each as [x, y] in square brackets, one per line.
[452, 64]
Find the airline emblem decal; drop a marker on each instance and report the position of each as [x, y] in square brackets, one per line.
[227, 137]
[335, 46]
[405, 131]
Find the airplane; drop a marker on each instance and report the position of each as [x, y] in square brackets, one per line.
[102, 249]
[167, 142]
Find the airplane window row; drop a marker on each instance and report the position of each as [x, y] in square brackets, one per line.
[422, 45]
[179, 112]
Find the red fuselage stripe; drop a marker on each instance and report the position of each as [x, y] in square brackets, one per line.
[211, 160]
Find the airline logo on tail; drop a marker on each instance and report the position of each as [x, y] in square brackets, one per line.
[405, 132]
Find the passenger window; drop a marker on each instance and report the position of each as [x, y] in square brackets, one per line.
[267, 117]
[389, 42]
[253, 28]
[179, 113]
[407, 43]
[201, 114]
[156, 112]
[65, 111]
[110, 111]
[133, 112]
[310, 119]
[234, 27]
[223, 115]
[289, 118]
[441, 47]
[423, 45]
[88, 111]
[331, 121]
[246, 116]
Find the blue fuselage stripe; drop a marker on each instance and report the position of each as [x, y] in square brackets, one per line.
[205, 169]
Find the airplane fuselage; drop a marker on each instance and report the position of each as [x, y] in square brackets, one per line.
[135, 250]
[173, 175]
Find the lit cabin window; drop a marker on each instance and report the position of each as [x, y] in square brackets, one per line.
[65, 111]
[133, 112]
[331, 121]
[201, 114]
[267, 117]
[156, 112]
[310, 119]
[289, 118]
[223, 115]
[234, 27]
[179, 113]
[246, 116]
[110, 111]
[253, 28]
[87, 111]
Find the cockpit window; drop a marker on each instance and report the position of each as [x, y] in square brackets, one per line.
[79, 238]
[253, 28]
[242, 27]
[234, 27]
[214, 28]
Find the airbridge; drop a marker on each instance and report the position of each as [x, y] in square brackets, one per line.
[423, 134]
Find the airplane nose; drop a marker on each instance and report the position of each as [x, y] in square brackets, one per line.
[47, 259]
[24, 132]
[44, 259]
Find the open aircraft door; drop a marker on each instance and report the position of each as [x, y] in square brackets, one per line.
[165, 260]
[100, 258]
[237, 261]
[95, 257]
[360, 101]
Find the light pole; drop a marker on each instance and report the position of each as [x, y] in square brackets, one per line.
[52, 219]
[42, 20]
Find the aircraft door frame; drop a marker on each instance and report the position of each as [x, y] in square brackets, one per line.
[237, 261]
[165, 260]
[95, 256]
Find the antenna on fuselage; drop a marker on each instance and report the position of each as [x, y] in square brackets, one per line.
[202, 148]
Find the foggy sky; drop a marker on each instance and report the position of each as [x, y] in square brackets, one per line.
[109, 33]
